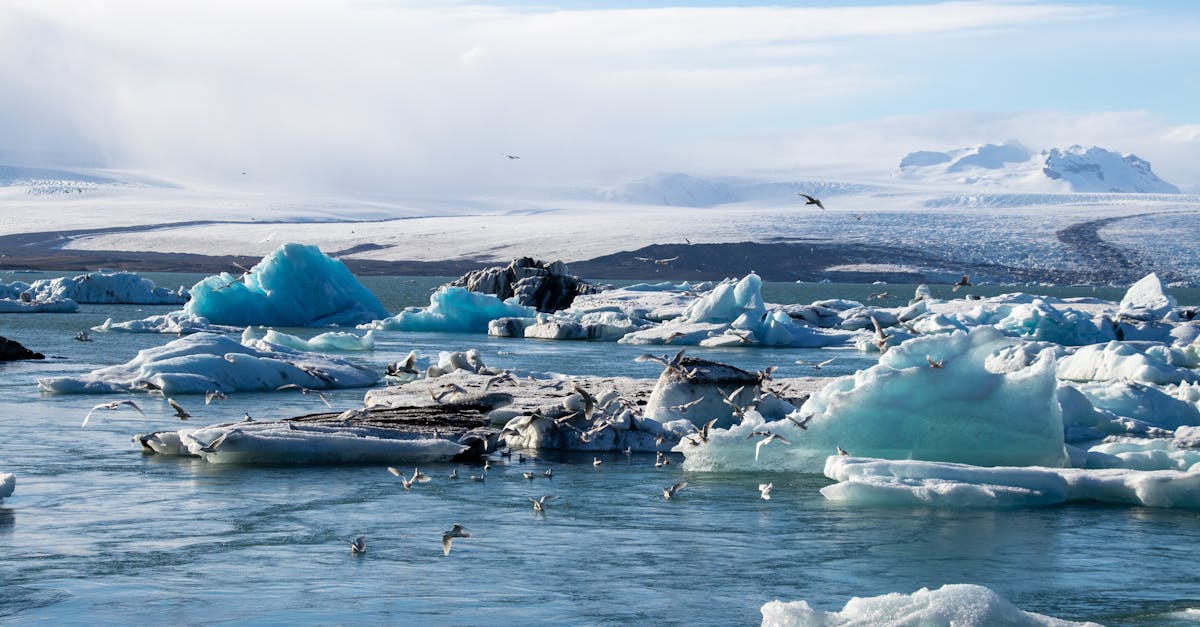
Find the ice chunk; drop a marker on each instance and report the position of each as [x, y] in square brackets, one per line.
[703, 383]
[54, 305]
[8, 483]
[1040, 320]
[962, 605]
[1146, 300]
[453, 309]
[1144, 403]
[107, 287]
[205, 362]
[942, 484]
[1122, 360]
[325, 342]
[905, 407]
[1142, 454]
[175, 322]
[295, 286]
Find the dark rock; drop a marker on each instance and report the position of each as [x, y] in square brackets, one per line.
[545, 287]
[12, 351]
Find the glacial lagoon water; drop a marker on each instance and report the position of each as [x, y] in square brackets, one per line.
[98, 533]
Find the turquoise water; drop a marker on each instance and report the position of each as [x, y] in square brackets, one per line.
[98, 533]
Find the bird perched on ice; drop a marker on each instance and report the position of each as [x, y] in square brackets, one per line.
[841, 451]
[965, 281]
[809, 200]
[457, 531]
[358, 546]
[764, 490]
[112, 405]
[669, 492]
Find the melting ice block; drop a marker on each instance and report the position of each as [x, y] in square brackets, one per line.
[988, 403]
[962, 605]
[453, 309]
[8, 482]
[295, 286]
[205, 362]
[865, 481]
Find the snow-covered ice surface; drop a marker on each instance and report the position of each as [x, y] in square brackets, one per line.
[206, 362]
[961, 605]
[106, 287]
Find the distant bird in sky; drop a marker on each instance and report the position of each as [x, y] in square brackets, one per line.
[764, 490]
[809, 200]
[457, 531]
[112, 405]
[512, 156]
[669, 492]
[965, 281]
[358, 546]
[179, 411]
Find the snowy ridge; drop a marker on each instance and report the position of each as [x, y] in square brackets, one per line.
[1012, 166]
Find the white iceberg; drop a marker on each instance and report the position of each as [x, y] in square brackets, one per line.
[453, 309]
[107, 287]
[206, 362]
[961, 605]
[1123, 360]
[981, 405]
[599, 325]
[1146, 300]
[865, 481]
[1140, 407]
[174, 323]
[1143, 454]
[8, 483]
[55, 305]
[336, 341]
[295, 286]
[1040, 320]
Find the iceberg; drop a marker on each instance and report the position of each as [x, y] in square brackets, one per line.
[175, 323]
[55, 305]
[980, 406]
[642, 301]
[600, 325]
[864, 481]
[295, 286]
[1123, 361]
[8, 483]
[107, 287]
[1143, 454]
[206, 362]
[332, 341]
[961, 605]
[1146, 300]
[453, 309]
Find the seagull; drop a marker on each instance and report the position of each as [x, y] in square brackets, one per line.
[447, 390]
[880, 340]
[454, 474]
[764, 490]
[675, 335]
[738, 410]
[877, 295]
[841, 451]
[83, 336]
[457, 531]
[670, 492]
[769, 437]
[358, 546]
[809, 200]
[589, 401]
[112, 405]
[817, 366]
[304, 390]
[528, 475]
[539, 505]
[704, 430]
[549, 473]
[505, 377]
[965, 281]
[408, 366]
[682, 408]
[941, 363]
[596, 461]
[211, 447]
[213, 395]
[512, 156]
[179, 411]
[803, 423]
[418, 477]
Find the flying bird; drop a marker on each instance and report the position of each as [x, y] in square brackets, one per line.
[457, 531]
[941, 363]
[305, 391]
[965, 281]
[669, 492]
[764, 490]
[417, 477]
[112, 405]
[768, 438]
[213, 395]
[539, 505]
[817, 366]
[179, 411]
[809, 200]
[512, 156]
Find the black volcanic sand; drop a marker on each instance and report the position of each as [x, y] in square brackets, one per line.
[791, 259]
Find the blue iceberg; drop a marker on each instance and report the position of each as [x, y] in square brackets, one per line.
[454, 309]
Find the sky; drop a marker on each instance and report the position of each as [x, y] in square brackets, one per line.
[391, 99]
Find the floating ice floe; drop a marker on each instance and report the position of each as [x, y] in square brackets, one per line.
[1155, 363]
[962, 605]
[206, 362]
[295, 286]
[733, 314]
[865, 481]
[8, 483]
[175, 322]
[300, 443]
[599, 325]
[642, 301]
[968, 397]
[107, 287]
[55, 305]
[453, 309]
[336, 341]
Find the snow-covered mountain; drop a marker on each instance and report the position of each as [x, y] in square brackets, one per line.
[1013, 167]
